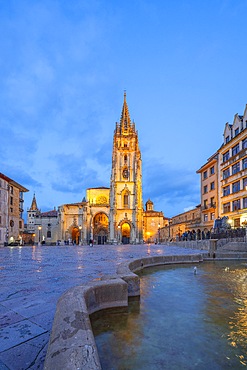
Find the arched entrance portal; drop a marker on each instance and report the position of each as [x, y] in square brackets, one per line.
[125, 233]
[75, 235]
[100, 228]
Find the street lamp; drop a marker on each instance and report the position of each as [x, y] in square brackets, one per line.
[40, 228]
[158, 233]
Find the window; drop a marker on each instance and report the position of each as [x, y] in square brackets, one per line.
[236, 131]
[0, 220]
[236, 168]
[226, 207]
[226, 173]
[205, 189]
[48, 234]
[212, 202]
[244, 202]
[237, 222]
[212, 186]
[212, 170]
[244, 163]
[244, 183]
[212, 216]
[11, 201]
[205, 175]
[226, 190]
[235, 150]
[244, 143]
[226, 156]
[227, 139]
[126, 200]
[205, 204]
[236, 186]
[205, 217]
[236, 205]
[11, 209]
[11, 190]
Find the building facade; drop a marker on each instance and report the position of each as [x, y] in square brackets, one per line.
[153, 222]
[106, 215]
[224, 178]
[184, 225]
[41, 227]
[11, 211]
[233, 172]
[209, 192]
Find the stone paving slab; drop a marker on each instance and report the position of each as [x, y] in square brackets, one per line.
[33, 278]
[17, 333]
[28, 355]
[8, 317]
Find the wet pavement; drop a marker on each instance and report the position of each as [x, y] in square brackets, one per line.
[32, 280]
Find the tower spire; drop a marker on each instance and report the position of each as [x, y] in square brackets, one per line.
[34, 206]
[125, 117]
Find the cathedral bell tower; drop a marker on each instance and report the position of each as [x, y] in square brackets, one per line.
[126, 209]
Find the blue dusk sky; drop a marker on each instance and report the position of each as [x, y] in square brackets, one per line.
[64, 66]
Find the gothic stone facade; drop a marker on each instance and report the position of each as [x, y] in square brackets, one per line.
[113, 215]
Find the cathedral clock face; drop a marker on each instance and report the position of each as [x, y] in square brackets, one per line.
[125, 174]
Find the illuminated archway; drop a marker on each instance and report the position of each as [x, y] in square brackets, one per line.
[75, 235]
[100, 228]
[125, 232]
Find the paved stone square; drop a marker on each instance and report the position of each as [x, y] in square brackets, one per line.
[32, 280]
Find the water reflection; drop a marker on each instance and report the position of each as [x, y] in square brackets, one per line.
[183, 321]
[37, 254]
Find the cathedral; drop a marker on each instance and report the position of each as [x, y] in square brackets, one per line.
[113, 215]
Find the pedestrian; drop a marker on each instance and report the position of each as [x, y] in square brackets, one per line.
[91, 242]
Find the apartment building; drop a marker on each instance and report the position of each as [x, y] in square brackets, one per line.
[11, 210]
[233, 172]
[188, 222]
[209, 191]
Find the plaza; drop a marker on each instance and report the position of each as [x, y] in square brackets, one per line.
[32, 280]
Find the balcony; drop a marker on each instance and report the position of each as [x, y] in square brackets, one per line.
[212, 205]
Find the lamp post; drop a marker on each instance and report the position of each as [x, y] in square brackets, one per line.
[158, 233]
[39, 228]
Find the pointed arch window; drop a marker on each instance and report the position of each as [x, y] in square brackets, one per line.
[125, 198]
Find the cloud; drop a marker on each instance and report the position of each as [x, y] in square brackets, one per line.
[172, 189]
